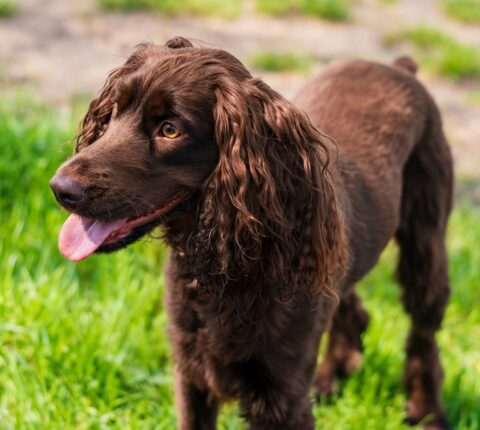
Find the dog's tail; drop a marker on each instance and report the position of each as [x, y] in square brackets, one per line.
[407, 64]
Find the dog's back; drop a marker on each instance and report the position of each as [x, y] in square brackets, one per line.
[380, 118]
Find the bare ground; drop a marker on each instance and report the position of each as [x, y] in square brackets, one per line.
[61, 49]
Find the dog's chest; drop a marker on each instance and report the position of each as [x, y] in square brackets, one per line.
[213, 349]
[216, 349]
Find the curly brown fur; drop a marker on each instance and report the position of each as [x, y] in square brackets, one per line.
[247, 214]
[272, 223]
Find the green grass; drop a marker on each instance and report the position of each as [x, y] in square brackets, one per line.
[84, 346]
[225, 8]
[281, 61]
[464, 10]
[440, 52]
[331, 10]
[7, 8]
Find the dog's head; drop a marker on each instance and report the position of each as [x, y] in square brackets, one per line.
[181, 129]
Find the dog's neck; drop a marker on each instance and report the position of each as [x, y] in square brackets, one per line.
[178, 231]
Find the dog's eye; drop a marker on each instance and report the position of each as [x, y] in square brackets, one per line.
[170, 130]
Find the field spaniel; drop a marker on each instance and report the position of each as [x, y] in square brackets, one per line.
[273, 211]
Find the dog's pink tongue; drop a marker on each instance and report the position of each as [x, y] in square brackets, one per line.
[80, 237]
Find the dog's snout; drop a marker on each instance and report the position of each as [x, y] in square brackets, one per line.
[67, 190]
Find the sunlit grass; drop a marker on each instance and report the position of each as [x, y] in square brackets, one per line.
[84, 346]
[7, 8]
[281, 61]
[464, 10]
[440, 52]
[331, 10]
[225, 8]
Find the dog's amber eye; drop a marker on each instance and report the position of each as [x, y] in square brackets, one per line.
[170, 131]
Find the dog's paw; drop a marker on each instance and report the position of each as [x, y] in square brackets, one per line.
[437, 425]
[429, 422]
[324, 386]
[352, 362]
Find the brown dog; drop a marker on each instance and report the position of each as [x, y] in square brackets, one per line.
[271, 223]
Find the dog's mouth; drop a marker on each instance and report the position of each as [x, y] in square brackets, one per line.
[82, 236]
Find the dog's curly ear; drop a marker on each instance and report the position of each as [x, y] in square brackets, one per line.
[270, 212]
[178, 42]
[99, 112]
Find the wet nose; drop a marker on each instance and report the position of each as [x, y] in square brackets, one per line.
[67, 190]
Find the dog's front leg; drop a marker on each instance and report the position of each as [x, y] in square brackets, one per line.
[196, 409]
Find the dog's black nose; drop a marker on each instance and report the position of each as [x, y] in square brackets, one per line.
[67, 190]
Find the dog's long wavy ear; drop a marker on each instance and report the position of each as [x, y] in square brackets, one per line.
[269, 208]
[100, 110]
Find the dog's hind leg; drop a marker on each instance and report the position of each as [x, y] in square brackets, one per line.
[344, 350]
[423, 270]
[197, 409]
